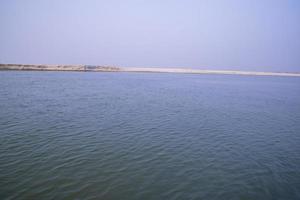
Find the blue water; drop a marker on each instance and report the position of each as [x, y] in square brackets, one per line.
[76, 135]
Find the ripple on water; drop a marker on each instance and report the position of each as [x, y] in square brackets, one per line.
[148, 136]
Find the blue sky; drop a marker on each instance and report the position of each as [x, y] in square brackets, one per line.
[258, 35]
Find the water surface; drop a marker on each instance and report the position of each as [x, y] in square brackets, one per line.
[75, 135]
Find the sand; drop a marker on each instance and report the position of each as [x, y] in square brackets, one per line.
[92, 68]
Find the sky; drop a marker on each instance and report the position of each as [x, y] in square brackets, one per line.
[253, 35]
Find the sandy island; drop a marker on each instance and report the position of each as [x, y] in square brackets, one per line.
[94, 68]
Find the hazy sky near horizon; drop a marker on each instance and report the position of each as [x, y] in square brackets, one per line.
[259, 35]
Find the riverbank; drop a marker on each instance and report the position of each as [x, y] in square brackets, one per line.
[93, 68]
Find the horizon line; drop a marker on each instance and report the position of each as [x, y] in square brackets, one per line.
[101, 68]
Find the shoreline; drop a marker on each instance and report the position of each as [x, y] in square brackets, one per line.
[94, 68]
